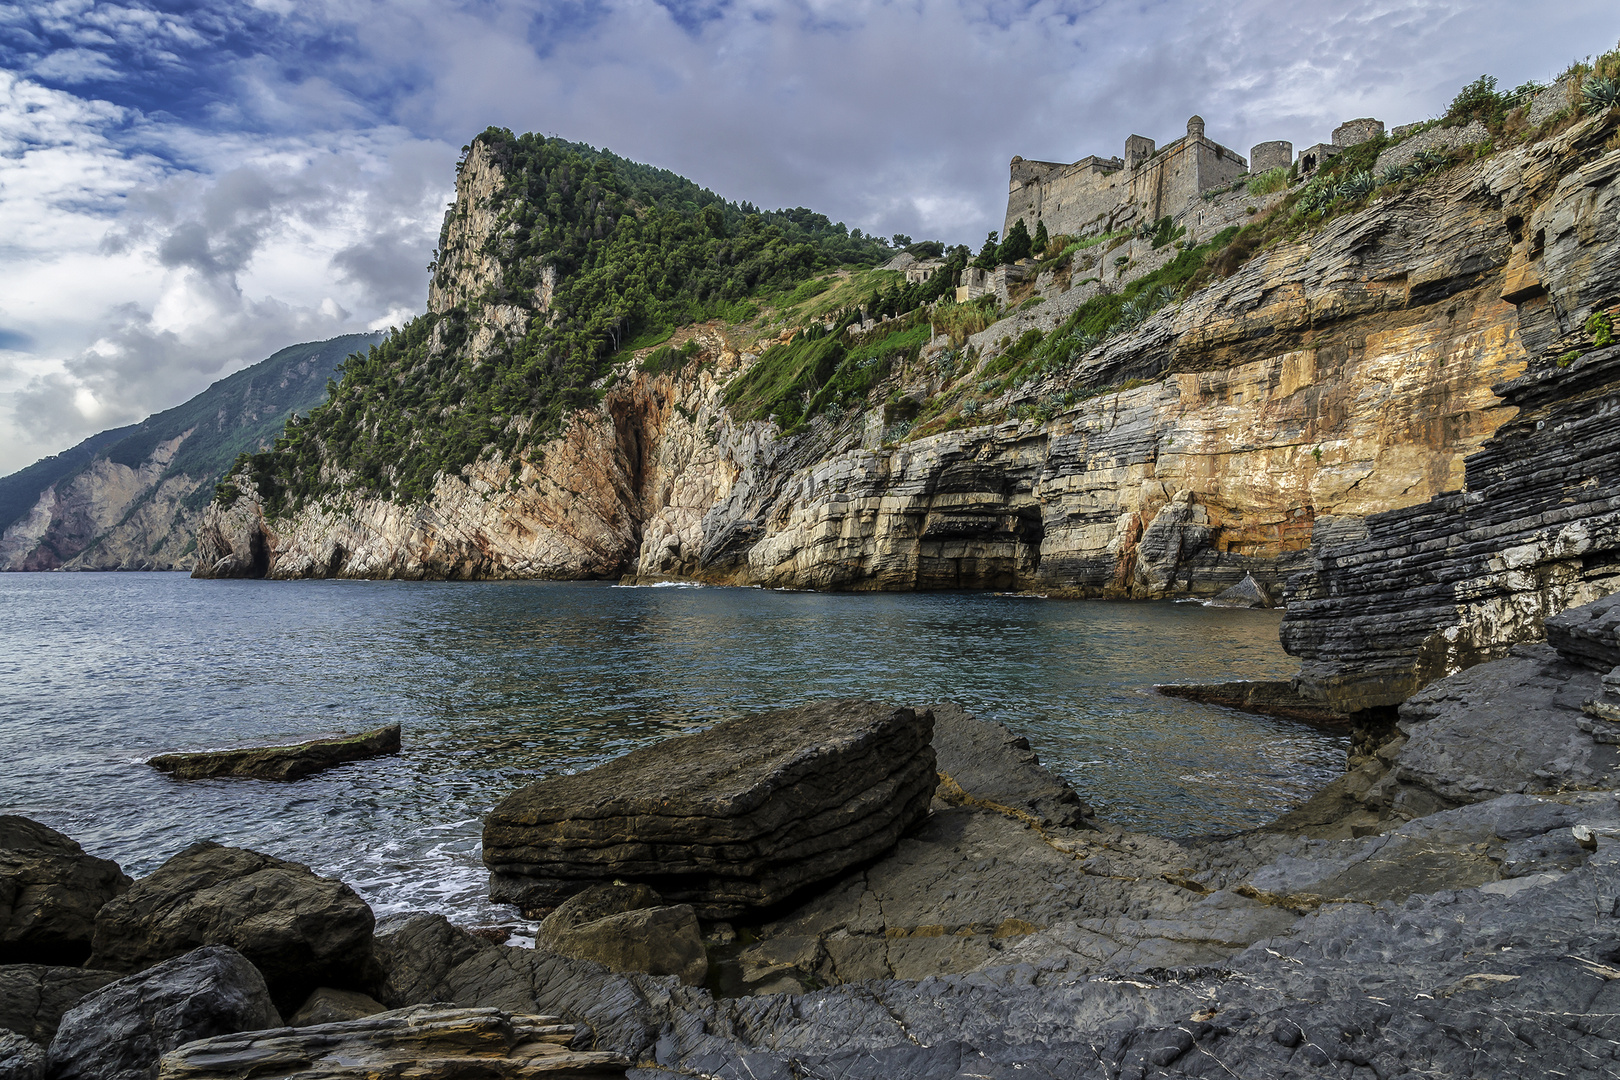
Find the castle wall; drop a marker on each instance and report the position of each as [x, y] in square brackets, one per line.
[1100, 194]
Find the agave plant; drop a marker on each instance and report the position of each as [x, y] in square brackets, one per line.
[1429, 161]
[1134, 312]
[1357, 186]
[1392, 174]
[1164, 294]
[1601, 93]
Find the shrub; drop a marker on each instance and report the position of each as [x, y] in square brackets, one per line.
[1269, 181]
[1601, 328]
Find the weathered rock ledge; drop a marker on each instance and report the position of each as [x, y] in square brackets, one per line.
[280, 762]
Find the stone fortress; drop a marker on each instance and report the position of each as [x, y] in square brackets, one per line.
[1096, 194]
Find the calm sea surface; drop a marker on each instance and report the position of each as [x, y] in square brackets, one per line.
[498, 684]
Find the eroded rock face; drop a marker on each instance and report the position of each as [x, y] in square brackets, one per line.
[120, 1031]
[737, 817]
[20, 1058]
[302, 931]
[424, 1042]
[50, 891]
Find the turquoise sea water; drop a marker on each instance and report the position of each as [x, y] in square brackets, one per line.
[500, 683]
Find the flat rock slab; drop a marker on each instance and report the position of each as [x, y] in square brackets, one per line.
[1267, 697]
[422, 1042]
[737, 817]
[1589, 634]
[280, 762]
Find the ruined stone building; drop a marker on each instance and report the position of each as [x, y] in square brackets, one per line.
[1096, 194]
[1099, 194]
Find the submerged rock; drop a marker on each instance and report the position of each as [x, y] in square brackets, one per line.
[1268, 697]
[300, 930]
[422, 1042]
[737, 817]
[628, 928]
[50, 891]
[120, 1031]
[280, 762]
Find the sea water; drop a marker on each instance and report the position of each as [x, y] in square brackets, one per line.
[498, 684]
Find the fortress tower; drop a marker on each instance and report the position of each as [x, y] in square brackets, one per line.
[1097, 194]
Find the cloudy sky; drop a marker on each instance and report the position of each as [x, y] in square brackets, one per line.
[186, 187]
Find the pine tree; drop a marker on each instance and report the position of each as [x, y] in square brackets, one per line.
[1040, 237]
[987, 254]
[1017, 245]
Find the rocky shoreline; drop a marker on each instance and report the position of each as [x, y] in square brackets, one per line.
[1447, 907]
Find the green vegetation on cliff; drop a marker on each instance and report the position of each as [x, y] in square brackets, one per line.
[636, 251]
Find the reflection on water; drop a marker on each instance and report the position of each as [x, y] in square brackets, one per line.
[499, 683]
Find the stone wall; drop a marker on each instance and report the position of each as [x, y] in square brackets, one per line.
[1356, 132]
[1266, 156]
[1435, 138]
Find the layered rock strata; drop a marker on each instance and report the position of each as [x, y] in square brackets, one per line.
[1338, 376]
[737, 817]
[420, 1042]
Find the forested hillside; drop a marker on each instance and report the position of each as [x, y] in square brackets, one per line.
[608, 254]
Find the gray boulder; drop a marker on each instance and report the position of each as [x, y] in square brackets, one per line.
[300, 930]
[415, 951]
[422, 1042]
[329, 1006]
[1247, 593]
[50, 891]
[738, 817]
[33, 997]
[120, 1031]
[20, 1058]
[628, 928]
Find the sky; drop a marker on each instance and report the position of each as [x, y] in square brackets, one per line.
[187, 187]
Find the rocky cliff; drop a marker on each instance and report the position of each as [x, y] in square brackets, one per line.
[1343, 374]
[133, 498]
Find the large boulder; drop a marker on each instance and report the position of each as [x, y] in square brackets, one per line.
[984, 764]
[50, 891]
[280, 762]
[33, 997]
[120, 1031]
[300, 930]
[628, 928]
[422, 1042]
[415, 951]
[734, 818]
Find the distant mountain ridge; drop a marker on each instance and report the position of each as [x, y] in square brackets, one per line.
[130, 498]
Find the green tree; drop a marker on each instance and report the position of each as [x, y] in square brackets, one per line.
[988, 253]
[1017, 245]
[1040, 237]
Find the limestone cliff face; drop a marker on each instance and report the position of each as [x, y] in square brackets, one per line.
[110, 516]
[1345, 375]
